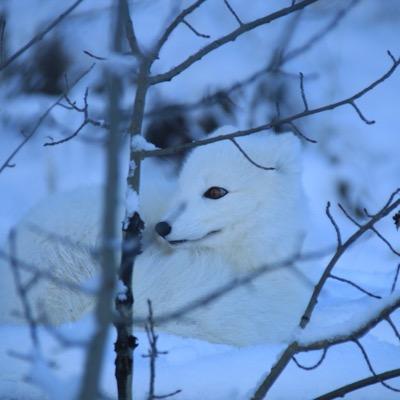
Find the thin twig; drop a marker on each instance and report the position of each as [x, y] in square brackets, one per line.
[233, 12]
[287, 120]
[169, 75]
[351, 283]
[309, 44]
[393, 326]
[373, 229]
[303, 94]
[40, 35]
[360, 114]
[22, 290]
[195, 31]
[294, 347]
[2, 35]
[316, 365]
[90, 54]
[371, 368]
[299, 133]
[129, 30]
[318, 36]
[247, 157]
[334, 224]
[7, 162]
[395, 279]
[351, 387]
[152, 355]
[179, 19]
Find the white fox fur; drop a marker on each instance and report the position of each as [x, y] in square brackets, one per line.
[260, 221]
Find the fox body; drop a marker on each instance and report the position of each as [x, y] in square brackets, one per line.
[224, 219]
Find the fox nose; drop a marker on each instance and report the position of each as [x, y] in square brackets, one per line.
[163, 228]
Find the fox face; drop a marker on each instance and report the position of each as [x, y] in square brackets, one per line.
[222, 198]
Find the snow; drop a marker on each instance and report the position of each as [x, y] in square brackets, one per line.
[138, 142]
[131, 204]
[348, 151]
[121, 291]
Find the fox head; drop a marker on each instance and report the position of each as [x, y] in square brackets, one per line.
[239, 197]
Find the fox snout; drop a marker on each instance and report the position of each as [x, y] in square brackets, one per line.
[163, 228]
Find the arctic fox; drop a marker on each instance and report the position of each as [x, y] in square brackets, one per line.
[226, 218]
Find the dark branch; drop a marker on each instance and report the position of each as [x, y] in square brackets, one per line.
[247, 157]
[373, 229]
[371, 368]
[360, 114]
[6, 163]
[167, 76]
[303, 94]
[334, 224]
[393, 326]
[313, 40]
[287, 120]
[396, 277]
[299, 133]
[351, 283]
[387, 209]
[372, 380]
[179, 19]
[40, 35]
[316, 365]
[129, 30]
[195, 31]
[233, 12]
[22, 290]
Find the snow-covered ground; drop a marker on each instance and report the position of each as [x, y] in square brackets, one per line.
[364, 158]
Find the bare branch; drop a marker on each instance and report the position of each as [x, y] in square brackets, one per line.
[167, 76]
[360, 114]
[196, 32]
[351, 283]
[294, 347]
[387, 209]
[87, 52]
[129, 30]
[287, 120]
[22, 290]
[152, 354]
[86, 120]
[377, 378]
[373, 229]
[313, 40]
[249, 159]
[316, 365]
[233, 12]
[333, 222]
[395, 279]
[299, 133]
[2, 42]
[393, 326]
[40, 35]
[173, 25]
[371, 368]
[6, 163]
[303, 94]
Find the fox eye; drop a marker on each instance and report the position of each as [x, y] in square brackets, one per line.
[215, 192]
